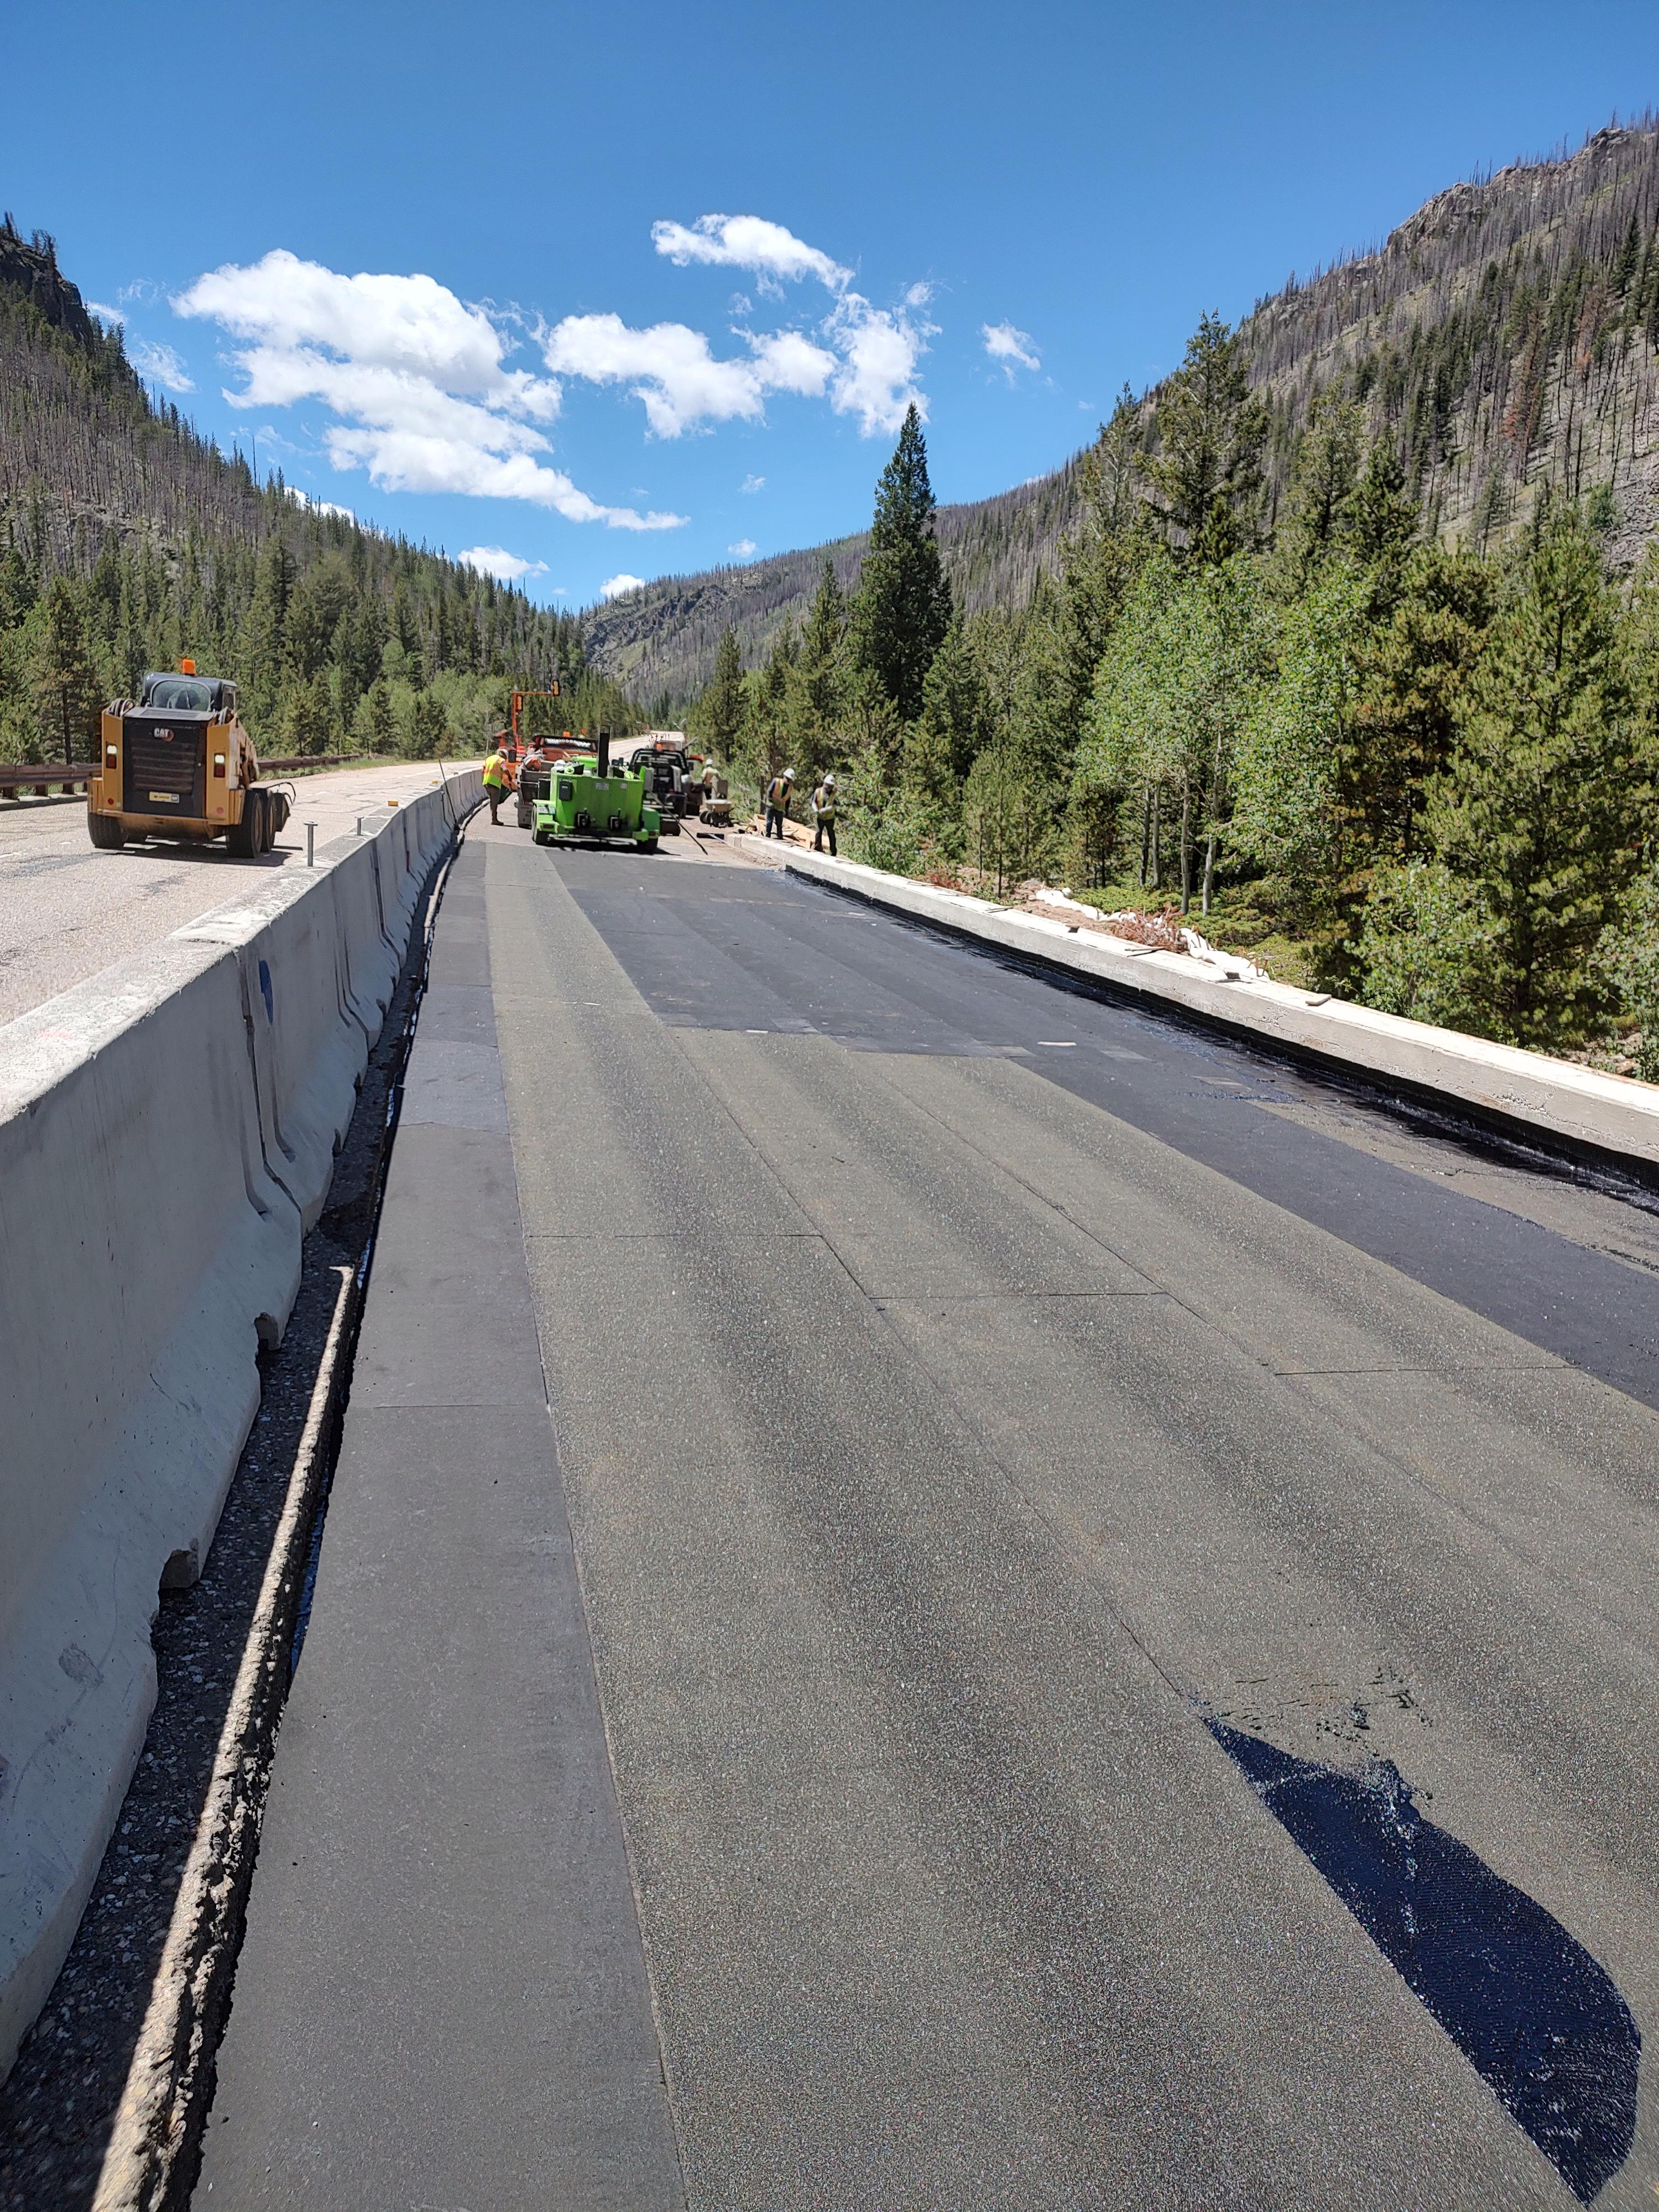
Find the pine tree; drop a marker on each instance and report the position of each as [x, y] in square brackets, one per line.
[16, 584]
[766, 728]
[720, 711]
[264, 649]
[904, 599]
[65, 683]
[308, 716]
[1413, 663]
[1381, 522]
[1210, 434]
[957, 722]
[1548, 795]
[376, 723]
[816, 705]
[423, 732]
[1069, 628]
[1323, 480]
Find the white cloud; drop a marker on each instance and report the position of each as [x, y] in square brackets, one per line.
[673, 370]
[752, 483]
[318, 505]
[862, 357]
[879, 351]
[748, 241]
[614, 587]
[495, 561]
[111, 316]
[743, 549]
[417, 380]
[159, 363]
[1009, 348]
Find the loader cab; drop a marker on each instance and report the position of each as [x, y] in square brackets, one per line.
[189, 695]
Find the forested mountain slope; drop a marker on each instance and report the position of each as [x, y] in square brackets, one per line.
[126, 538]
[1503, 336]
[659, 640]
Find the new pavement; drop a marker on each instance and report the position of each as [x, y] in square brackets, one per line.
[1108, 1653]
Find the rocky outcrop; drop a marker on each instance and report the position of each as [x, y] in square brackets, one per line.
[30, 266]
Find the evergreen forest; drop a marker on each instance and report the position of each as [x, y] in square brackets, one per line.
[1504, 337]
[1415, 773]
[1341, 644]
[126, 541]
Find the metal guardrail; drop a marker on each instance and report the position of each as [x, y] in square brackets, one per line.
[43, 776]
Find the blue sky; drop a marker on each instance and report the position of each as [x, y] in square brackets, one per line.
[462, 269]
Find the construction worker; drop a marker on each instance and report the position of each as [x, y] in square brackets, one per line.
[497, 780]
[823, 815]
[777, 802]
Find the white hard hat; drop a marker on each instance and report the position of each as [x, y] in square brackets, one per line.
[829, 781]
[789, 775]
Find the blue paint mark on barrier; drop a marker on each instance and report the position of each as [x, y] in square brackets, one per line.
[1532, 2011]
[265, 993]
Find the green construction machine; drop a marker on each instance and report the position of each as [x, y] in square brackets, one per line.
[587, 804]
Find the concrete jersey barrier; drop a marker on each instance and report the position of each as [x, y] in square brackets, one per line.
[167, 1133]
[1577, 1109]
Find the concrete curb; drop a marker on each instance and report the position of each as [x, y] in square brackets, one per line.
[172, 2062]
[1575, 1110]
[168, 1131]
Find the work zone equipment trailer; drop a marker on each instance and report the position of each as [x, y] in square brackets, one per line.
[588, 804]
[179, 763]
[534, 778]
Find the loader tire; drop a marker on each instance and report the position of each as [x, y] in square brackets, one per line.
[242, 838]
[105, 831]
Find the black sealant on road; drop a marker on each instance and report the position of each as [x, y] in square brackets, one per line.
[729, 949]
[1535, 2015]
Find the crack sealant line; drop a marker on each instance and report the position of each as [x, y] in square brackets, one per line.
[149, 2162]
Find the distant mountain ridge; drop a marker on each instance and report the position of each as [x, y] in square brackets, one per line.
[128, 539]
[659, 641]
[89, 462]
[1506, 335]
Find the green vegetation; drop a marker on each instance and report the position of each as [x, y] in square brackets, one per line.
[1418, 775]
[126, 541]
[1505, 337]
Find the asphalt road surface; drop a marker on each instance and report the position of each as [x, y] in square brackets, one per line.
[1081, 1632]
[66, 911]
